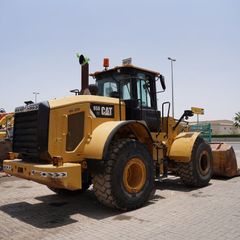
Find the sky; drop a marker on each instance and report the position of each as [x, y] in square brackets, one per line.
[39, 40]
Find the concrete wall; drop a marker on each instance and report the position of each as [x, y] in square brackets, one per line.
[222, 129]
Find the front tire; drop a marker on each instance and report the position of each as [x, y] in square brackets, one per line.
[198, 172]
[127, 180]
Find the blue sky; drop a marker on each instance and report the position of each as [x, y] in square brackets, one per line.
[39, 40]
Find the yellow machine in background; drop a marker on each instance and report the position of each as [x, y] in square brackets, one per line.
[6, 129]
[6, 125]
[114, 138]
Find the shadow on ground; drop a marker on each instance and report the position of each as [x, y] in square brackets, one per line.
[174, 184]
[222, 178]
[56, 211]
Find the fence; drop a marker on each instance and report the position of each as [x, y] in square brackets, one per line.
[205, 129]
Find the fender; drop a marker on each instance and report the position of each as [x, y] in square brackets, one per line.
[181, 148]
[102, 136]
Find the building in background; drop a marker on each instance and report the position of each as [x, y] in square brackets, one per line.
[221, 127]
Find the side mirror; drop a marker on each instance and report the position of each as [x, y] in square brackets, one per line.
[75, 91]
[162, 80]
[188, 113]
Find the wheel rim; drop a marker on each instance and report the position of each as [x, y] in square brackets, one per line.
[204, 163]
[134, 175]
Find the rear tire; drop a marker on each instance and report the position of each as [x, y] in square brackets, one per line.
[198, 172]
[127, 180]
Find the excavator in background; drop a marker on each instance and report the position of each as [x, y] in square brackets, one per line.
[112, 135]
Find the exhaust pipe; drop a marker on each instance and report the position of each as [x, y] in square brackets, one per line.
[84, 75]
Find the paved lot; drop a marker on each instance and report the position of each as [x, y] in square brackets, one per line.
[30, 211]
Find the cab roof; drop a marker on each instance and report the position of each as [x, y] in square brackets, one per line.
[126, 66]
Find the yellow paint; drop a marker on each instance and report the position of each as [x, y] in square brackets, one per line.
[61, 109]
[96, 141]
[3, 134]
[7, 120]
[96, 130]
[93, 148]
[181, 148]
[71, 100]
[35, 172]
[134, 175]
[96, 133]
[196, 110]
[175, 145]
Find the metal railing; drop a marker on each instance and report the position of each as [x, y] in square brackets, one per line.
[205, 129]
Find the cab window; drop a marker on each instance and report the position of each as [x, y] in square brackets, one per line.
[143, 90]
[126, 89]
[109, 86]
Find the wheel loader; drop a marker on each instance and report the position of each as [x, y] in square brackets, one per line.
[110, 135]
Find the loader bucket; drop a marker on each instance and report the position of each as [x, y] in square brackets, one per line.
[224, 160]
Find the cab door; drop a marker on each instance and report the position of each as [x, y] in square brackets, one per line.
[143, 105]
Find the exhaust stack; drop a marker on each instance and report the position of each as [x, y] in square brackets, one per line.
[84, 74]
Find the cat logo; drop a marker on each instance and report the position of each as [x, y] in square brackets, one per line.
[106, 111]
[102, 111]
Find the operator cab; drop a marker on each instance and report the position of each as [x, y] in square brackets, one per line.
[136, 87]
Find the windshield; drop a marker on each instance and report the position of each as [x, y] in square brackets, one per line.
[115, 85]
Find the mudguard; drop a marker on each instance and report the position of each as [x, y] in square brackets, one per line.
[181, 148]
[99, 141]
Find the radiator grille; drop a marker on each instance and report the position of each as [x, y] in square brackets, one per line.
[25, 132]
[30, 136]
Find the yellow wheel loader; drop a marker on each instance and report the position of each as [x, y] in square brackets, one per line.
[111, 135]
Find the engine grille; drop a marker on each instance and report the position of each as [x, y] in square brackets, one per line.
[30, 137]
